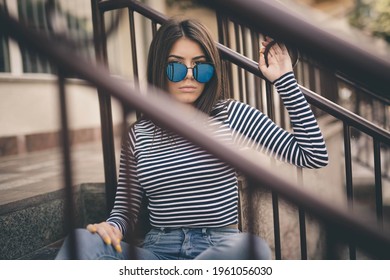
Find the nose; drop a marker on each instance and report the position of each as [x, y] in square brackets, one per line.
[190, 73]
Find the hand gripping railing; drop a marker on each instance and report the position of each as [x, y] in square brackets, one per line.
[345, 225]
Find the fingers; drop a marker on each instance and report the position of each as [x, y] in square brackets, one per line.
[274, 60]
[91, 228]
[110, 234]
[274, 49]
[272, 52]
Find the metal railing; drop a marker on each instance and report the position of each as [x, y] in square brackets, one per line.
[341, 224]
[247, 85]
[365, 139]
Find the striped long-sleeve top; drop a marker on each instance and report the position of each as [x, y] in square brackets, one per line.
[188, 187]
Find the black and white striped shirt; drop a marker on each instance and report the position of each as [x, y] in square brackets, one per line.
[188, 187]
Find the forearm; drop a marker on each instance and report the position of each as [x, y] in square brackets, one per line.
[129, 193]
[306, 132]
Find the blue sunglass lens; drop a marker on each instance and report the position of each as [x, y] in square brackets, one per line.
[203, 72]
[176, 71]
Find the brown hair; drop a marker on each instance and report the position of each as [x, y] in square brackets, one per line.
[161, 45]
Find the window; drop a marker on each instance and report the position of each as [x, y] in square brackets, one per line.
[4, 52]
[32, 13]
[75, 16]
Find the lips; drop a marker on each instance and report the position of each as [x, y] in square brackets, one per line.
[187, 88]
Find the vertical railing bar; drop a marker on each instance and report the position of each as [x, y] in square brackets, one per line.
[367, 149]
[223, 37]
[302, 230]
[130, 234]
[331, 244]
[226, 32]
[275, 202]
[312, 79]
[386, 117]
[348, 176]
[303, 78]
[386, 163]
[257, 85]
[85, 45]
[348, 163]
[378, 182]
[44, 20]
[67, 169]
[35, 18]
[154, 28]
[244, 93]
[239, 70]
[251, 217]
[275, 211]
[107, 130]
[27, 55]
[270, 103]
[228, 44]
[5, 44]
[133, 43]
[83, 37]
[245, 53]
[134, 51]
[302, 219]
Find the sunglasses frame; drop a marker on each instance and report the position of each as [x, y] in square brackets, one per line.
[195, 76]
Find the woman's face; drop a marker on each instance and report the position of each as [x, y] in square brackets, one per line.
[187, 52]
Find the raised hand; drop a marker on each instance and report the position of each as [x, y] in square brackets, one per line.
[279, 61]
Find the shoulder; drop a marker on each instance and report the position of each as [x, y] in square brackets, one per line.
[139, 129]
[141, 125]
[233, 111]
[238, 107]
[224, 106]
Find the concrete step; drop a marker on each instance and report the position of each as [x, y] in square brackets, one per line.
[46, 253]
[31, 228]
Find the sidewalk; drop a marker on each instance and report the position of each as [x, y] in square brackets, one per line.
[37, 173]
[32, 200]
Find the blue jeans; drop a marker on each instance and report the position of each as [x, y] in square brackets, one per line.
[174, 244]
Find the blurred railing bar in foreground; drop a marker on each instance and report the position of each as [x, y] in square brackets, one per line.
[158, 106]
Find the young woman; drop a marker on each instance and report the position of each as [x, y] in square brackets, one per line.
[193, 196]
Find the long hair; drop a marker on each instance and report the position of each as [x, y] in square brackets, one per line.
[161, 45]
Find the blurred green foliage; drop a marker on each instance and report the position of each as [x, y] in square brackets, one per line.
[372, 16]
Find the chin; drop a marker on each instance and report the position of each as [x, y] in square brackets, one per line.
[186, 99]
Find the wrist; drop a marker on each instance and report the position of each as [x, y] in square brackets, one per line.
[283, 78]
[277, 82]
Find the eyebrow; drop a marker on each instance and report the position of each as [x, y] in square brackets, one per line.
[180, 57]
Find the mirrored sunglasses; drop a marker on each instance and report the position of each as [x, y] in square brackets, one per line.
[202, 71]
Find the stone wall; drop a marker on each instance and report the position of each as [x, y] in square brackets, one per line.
[326, 183]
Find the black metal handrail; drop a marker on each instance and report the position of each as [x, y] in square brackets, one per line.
[313, 98]
[349, 119]
[234, 33]
[159, 107]
[252, 66]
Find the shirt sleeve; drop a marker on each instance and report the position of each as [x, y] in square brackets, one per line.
[129, 193]
[304, 147]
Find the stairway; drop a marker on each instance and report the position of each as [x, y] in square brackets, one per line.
[32, 200]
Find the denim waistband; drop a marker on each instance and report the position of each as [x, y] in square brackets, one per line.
[200, 229]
